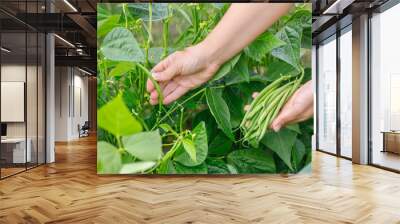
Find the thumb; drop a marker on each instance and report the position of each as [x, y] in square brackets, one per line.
[281, 120]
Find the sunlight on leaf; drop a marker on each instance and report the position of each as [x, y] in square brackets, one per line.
[115, 118]
[145, 146]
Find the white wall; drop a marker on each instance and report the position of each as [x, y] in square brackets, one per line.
[33, 126]
[70, 83]
[61, 103]
[16, 73]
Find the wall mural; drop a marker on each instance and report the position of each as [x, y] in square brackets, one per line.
[163, 109]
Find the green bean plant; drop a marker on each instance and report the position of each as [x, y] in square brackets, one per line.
[206, 131]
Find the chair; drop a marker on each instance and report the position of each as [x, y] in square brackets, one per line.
[84, 130]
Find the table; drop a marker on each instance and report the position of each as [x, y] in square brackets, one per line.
[391, 141]
[18, 150]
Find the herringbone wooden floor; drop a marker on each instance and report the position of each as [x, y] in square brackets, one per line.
[69, 191]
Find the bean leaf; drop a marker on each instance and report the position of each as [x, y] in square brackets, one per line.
[281, 143]
[141, 10]
[108, 158]
[200, 144]
[298, 154]
[137, 167]
[240, 72]
[121, 45]
[290, 52]
[188, 145]
[226, 68]
[220, 145]
[219, 109]
[217, 166]
[199, 169]
[294, 127]
[145, 146]
[234, 100]
[107, 25]
[122, 68]
[115, 118]
[252, 161]
[261, 46]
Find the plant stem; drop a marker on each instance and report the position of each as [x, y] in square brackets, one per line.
[181, 120]
[158, 89]
[175, 108]
[171, 152]
[125, 14]
[165, 34]
[149, 38]
[119, 143]
[167, 156]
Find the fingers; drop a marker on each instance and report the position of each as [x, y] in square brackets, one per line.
[169, 88]
[153, 101]
[166, 69]
[175, 94]
[255, 94]
[154, 94]
[281, 120]
[149, 86]
[171, 92]
[161, 66]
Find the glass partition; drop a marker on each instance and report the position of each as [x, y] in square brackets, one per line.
[22, 95]
[327, 95]
[13, 95]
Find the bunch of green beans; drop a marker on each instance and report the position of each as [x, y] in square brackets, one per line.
[266, 106]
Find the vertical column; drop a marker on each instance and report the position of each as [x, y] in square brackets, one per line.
[338, 76]
[50, 93]
[360, 90]
[314, 81]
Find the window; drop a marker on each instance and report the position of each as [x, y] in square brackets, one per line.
[385, 89]
[346, 75]
[327, 95]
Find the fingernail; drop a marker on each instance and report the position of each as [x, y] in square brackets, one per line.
[277, 127]
[155, 75]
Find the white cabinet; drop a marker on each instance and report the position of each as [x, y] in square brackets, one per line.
[18, 149]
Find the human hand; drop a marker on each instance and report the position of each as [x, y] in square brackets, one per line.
[298, 108]
[180, 72]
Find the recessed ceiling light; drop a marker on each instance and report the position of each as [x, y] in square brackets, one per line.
[337, 7]
[64, 40]
[84, 71]
[70, 5]
[5, 50]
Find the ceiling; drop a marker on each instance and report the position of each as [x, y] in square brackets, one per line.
[74, 22]
[332, 15]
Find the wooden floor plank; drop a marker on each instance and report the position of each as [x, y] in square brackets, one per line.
[70, 191]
